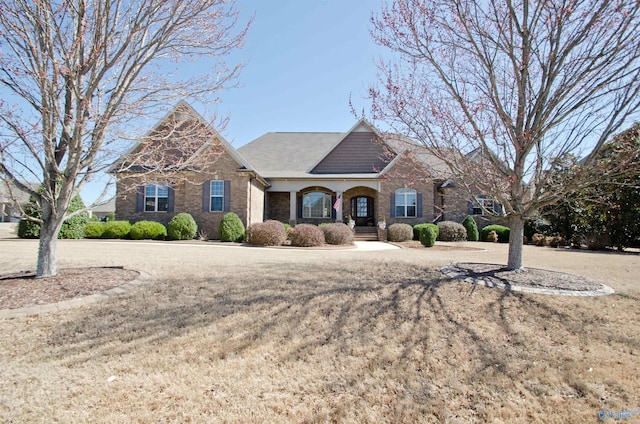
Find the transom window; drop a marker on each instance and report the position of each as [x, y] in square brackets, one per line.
[156, 197]
[481, 201]
[217, 196]
[406, 200]
[316, 205]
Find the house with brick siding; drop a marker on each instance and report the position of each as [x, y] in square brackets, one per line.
[294, 177]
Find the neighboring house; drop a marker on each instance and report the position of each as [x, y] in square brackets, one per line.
[101, 211]
[297, 178]
[9, 201]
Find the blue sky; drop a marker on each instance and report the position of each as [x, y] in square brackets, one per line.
[304, 58]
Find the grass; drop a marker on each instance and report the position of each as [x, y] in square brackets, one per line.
[343, 342]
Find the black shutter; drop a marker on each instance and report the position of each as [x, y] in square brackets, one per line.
[171, 198]
[469, 207]
[299, 206]
[419, 205]
[227, 196]
[393, 204]
[140, 199]
[206, 196]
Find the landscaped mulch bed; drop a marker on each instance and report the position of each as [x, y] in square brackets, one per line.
[22, 289]
[530, 277]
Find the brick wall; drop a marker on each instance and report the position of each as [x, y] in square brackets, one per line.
[188, 196]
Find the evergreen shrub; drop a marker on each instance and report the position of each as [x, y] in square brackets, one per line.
[116, 229]
[148, 230]
[420, 227]
[93, 229]
[472, 228]
[428, 235]
[182, 227]
[231, 228]
[502, 232]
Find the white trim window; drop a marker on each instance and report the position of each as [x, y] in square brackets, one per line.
[406, 203]
[216, 203]
[316, 204]
[156, 197]
[488, 203]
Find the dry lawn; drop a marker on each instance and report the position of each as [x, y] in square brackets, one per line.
[344, 342]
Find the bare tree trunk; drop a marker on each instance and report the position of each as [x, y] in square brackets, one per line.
[49, 229]
[516, 225]
[47, 265]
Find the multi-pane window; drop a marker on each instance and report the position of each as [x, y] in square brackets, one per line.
[487, 203]
[316, 205]
[362, 207]
[217, 196]
[156, 197]
[406, 201]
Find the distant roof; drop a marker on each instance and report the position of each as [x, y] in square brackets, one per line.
[110, 206]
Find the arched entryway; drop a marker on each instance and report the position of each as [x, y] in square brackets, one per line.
[362, 210]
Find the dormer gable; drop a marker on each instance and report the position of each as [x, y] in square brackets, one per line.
[362, 150]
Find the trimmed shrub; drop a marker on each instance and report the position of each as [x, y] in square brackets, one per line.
[72, 228]
[400, 232]
[337, 233]
[556, 241]
[420, 227]
[29, 229]
[451, 231]
[428, 236]
[182, 227]
[501, 231]
[492, 237]
[93, 229]
[472, 228]
[116, 229]
[231, 228]
[539, 239]
[267, 233]
[148, 230]
[306, 235]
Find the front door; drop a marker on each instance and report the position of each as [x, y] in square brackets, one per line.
[362, 210]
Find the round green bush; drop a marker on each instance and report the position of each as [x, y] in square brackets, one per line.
[306, 235]
[400, 232]
[428, 236]
[182, 227]
[501, 231]
[72, 228]
[267, 233]
[418, 228]
[148, 230]
[231, 228]
[472, 228]
[337, 233]
[93, 229]
[451, 231]
[116, 229]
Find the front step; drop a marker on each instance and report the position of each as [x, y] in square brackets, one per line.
[366, 234]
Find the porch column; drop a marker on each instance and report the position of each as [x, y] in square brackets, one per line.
[339, 210]
[293, 207]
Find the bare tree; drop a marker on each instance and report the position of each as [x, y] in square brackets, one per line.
[79, 71]
[498, 89]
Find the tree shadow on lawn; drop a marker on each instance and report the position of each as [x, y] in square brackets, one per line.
[403, 325]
